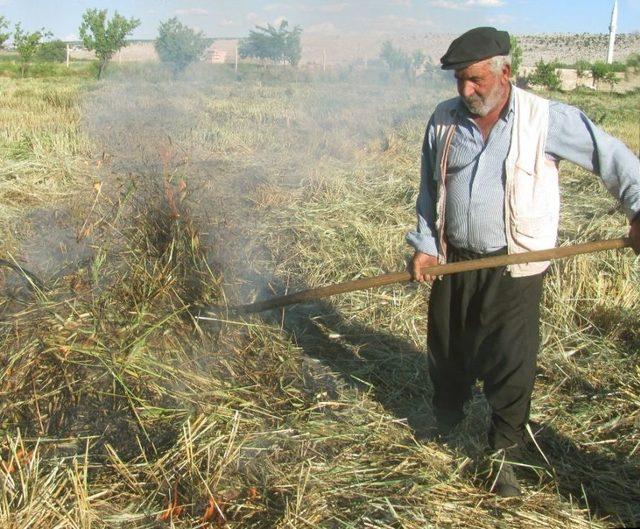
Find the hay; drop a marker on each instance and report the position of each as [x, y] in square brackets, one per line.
[117, 409]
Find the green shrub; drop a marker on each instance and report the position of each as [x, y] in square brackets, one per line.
[633, 60]
[545, 75]
[52, 51]
[178, 45]
[582, 67]
[605, 72]
[516, 55]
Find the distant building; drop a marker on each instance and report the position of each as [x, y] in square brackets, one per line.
[215, 56]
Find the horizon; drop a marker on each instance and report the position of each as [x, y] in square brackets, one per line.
[224, 19]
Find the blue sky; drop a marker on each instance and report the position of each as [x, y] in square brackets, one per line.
[229, 18]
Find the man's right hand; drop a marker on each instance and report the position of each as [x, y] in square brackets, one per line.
[418, 262]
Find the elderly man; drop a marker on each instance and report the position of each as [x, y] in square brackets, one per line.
[489, 185]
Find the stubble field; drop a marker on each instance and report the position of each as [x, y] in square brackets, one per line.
[137, 201]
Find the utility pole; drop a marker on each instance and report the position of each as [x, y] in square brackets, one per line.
[612, 31]
[236, 68]
[68, 54]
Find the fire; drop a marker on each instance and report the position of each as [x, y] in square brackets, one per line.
[173, 510]
[213, 513]
[22, 458]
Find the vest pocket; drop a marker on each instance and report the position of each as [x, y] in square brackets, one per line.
[535, 202]
[534, 196]
[535, 227]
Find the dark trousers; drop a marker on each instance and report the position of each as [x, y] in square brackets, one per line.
[484, 325]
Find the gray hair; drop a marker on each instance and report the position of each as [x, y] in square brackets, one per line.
[498, 62]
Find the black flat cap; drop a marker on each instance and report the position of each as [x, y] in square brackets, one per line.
[475, 45]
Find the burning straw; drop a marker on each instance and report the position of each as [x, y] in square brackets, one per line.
[118, 410]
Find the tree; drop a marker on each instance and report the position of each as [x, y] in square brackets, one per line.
[418, 58]
[292, 46]
[582, 67]
[178, 45]
[395, 58]
[633, 60]
[602, 71]
[545, 75]
[4, 35]
[27, 44]
[516, 55]
[105, 38]
[598, 70]
[398, 59]
[611, 79]
[274, 44]
[52, 51]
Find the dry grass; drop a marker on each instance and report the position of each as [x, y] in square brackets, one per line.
[119, 409]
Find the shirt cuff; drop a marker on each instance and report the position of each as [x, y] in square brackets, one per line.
[631, 207]
[423, 243]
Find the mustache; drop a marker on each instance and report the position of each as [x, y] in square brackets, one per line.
[475, 104]
[473, 99]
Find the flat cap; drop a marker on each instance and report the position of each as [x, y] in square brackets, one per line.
[475, 45]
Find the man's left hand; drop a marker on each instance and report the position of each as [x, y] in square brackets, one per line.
[634, 234]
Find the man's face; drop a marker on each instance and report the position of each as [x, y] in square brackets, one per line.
[480, 88]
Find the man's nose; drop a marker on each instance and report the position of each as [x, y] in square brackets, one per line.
[466, 89]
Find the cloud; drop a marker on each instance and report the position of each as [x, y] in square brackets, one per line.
[274, 7]
[191, 11]
[465, 4]
[323, 28]
[227, 23]
[70, 37]
[403, 3]
[254, 18]
[333, 8]
[500, 20]
[399, 23]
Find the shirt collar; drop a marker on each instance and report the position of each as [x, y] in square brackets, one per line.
[461, 111]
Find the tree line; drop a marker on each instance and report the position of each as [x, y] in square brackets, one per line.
[411, 63]
[177, 45]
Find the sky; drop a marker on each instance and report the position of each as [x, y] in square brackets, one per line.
[234, 18]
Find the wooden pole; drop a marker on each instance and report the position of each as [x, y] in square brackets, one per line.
[236, 59]
[68, 54]
[438, 270]
[324, 61]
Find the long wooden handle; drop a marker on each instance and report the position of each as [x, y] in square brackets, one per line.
[438, 270]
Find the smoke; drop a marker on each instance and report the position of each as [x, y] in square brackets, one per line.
[226, 139]
[191, 172]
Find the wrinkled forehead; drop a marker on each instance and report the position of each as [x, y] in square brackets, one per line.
[477, 69]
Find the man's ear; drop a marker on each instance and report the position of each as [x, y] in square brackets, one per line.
[506, 71]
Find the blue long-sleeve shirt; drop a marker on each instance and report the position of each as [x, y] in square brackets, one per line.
[476, 174]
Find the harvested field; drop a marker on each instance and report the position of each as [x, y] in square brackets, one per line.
[138, 201]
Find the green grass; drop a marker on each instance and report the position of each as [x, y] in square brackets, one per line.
[114, 399]
[10, 66]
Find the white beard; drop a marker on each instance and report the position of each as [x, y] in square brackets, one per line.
[479, 106]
